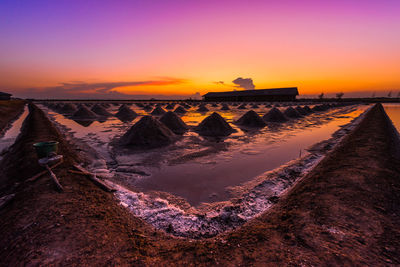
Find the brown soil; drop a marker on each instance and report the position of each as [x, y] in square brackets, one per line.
[9, 111]
[345, 212]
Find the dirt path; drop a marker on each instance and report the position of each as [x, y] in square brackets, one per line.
[345, 212]
[9, 111]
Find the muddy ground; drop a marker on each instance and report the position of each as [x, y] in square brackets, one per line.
[9, 111]
[344, 212]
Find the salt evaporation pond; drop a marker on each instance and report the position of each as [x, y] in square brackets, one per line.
[393, 111]
[206, 176]
[12, 133]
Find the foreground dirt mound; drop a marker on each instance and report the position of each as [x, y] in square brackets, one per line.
[251, 119]
[174, 123]
[126, 114]
[214, 125]
[274, 115]
[148, 132]
[84, 113]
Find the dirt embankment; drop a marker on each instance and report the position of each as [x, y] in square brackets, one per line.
[9, 111]
[345, 212]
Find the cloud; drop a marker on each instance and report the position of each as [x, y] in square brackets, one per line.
[84, 90]
[245, 83]
[219, 83]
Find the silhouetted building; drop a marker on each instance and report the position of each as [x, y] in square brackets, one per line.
[275, 94]
[5, 96]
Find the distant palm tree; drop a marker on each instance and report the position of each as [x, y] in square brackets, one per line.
[390, 94]
[339, 95]
[321, 96]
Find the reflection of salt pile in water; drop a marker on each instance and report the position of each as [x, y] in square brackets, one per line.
[225, 107]
[126, 114]
[174, 123]
[202, 108]
[301, 111]
[180, 110]
[148, 132]
[274, 115]
[99, 110]
[68, 109]
[84, 113]
[170, 106]
[251, 119]
[158, 111]
[242, 106]
[291, 113]
[214, 125]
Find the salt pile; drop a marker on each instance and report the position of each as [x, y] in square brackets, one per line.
[318, 108]
[215, 105]
[122, 106]
[68, 109]
[225, 107]
[99, 110]
[254, 106]
[148, 108]
[158, 111]
[274, 115]
[214, 125]
[251, 119]
[243, 106]
[174, 123]
[180, 110]
[301, 111]
[170, 106]
[202, 108]
[291, 113]
[148, 132]
[307, 109]
[126, 114]
[84, 113]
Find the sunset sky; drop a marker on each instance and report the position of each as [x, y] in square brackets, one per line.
[174, 49]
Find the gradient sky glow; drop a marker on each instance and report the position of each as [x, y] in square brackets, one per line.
[177, 48]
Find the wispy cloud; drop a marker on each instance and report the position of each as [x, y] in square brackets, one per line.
[99, 90]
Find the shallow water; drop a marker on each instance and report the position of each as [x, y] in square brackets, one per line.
[11, 134]
[237, 159]
[393, 111]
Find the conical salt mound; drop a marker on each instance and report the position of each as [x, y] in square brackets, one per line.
[202, 108]
[274, 115]
[291, 113]
[68, 109]
[317, 108]
[215, 105]
[301, 111]
[148, 132]
[140, 105]
[148, 108]
[170, 106]
[126, 114]
[242, 106]
[174, 123]
[180, 110]
[251, 119]
[99, 110]
[123, 106]
[254, 106]
[158, 111]
[84, 113]
[214, 125]
[225, 107]
[307, 109]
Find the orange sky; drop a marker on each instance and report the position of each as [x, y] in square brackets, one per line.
[181, 48]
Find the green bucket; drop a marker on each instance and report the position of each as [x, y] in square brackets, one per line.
[43, 149]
